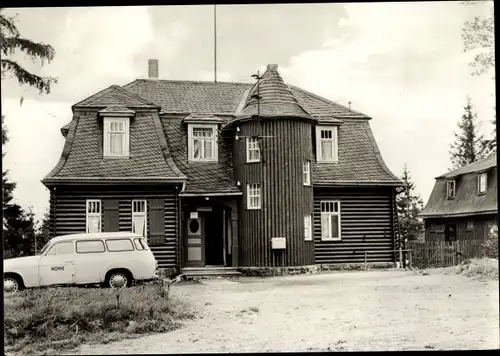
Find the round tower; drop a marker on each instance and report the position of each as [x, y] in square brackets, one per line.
[273, 152]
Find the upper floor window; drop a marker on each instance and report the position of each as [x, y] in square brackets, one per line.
[253, 150]
[450, 189]
[306, 172]
[202, 144]
[253, 196]
[93, 216]
[116, 137]
[327, 143]
[139, 217]
[482, 181]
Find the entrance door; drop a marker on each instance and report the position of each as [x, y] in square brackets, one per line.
[195, 244]
[450, 233]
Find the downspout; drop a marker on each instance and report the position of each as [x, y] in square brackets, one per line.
[179, 230]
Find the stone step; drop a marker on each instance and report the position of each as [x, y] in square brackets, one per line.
[191, 272]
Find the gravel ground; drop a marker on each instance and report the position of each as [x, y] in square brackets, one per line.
[344, 311]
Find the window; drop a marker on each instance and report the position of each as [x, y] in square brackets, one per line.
[253, 196]
[470, 225]
[62, 248]
[118, 245]
[116, 137]
[91, 246]
[450, 188]
[140, 244]
[202, 144]
[253, 150]
[326, 144]
[330, 220]
[93, 216]
[139, 217]
[482, 181]
[306, 170]
[307, 228]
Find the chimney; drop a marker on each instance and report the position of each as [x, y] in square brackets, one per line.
[272, 67]
[153, 69]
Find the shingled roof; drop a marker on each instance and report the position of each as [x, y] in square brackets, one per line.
[360, 161]
[271, 97]
[467, 201]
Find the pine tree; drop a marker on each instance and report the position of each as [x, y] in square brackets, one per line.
[10, 41]
[409, 205]
[468, 146]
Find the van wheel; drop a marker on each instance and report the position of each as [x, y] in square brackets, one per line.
[118, 279]
[12, 284]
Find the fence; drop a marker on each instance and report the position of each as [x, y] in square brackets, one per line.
[442, 254]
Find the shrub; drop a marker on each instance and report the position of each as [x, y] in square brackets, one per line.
[55, 317]
[490, 246]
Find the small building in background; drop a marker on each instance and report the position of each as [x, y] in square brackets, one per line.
[463, 203]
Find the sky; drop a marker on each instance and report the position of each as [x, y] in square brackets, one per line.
[402, 64]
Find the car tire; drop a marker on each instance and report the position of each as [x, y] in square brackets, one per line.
[12, 284]
[118, 279]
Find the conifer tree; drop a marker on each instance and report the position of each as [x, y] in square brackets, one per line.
[469, 144]
[409, 205]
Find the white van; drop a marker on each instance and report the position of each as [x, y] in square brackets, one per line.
[112, 259]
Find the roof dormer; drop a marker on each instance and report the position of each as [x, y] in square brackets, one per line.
[203, 132]
[116, 131]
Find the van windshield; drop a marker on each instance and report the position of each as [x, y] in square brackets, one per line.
[44, 248]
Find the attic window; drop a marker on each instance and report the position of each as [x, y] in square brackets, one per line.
[450, 189]
[116, 137]
[202, 142]
[327, 143]
[482, 181]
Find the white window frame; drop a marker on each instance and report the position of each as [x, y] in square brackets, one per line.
[254, 191]
[215, 146]
[308, 227]
[334, 139]
[107, 136]
[329, 213]
[479, 176]
[253, 146]
[306, 172]
[135, 204]
[448, 184]
[88, 214]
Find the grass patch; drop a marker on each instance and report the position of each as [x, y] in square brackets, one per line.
[483, 268]
[42, 320]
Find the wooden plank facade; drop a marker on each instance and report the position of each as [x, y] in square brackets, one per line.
[285, 200]
[367, 225]
[466, 228]
[68, 213]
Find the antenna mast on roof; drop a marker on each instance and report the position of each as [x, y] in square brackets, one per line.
[215, 43]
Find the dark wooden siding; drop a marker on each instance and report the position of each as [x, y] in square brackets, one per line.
[68, 212]
[284, 198]
[367, 225]
[434, 228]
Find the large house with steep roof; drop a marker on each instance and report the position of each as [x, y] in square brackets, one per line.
[226, 174]
[463, 203]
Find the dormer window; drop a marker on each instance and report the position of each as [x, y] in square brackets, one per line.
[116, 137]
[327, 143]
[450, 189]
[482, 181]
[202, 145]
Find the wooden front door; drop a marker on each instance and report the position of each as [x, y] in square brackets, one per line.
[195, 241]
[450, 233]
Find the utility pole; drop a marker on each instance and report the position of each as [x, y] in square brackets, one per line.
[215, 43]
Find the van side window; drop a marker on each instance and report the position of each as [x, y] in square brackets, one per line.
[138, 244]
[61, 248]
[117, 245]
[92, 246]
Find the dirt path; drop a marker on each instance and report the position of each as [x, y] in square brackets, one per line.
[356, 311]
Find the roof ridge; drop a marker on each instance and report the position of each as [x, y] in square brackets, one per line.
[133, 95]
[187, 81]
[325, 100]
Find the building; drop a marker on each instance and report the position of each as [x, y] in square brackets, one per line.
[463, 203]
[211, 172]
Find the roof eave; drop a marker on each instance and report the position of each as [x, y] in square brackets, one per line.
[456, 215]
[371, 183]
[109, 180]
